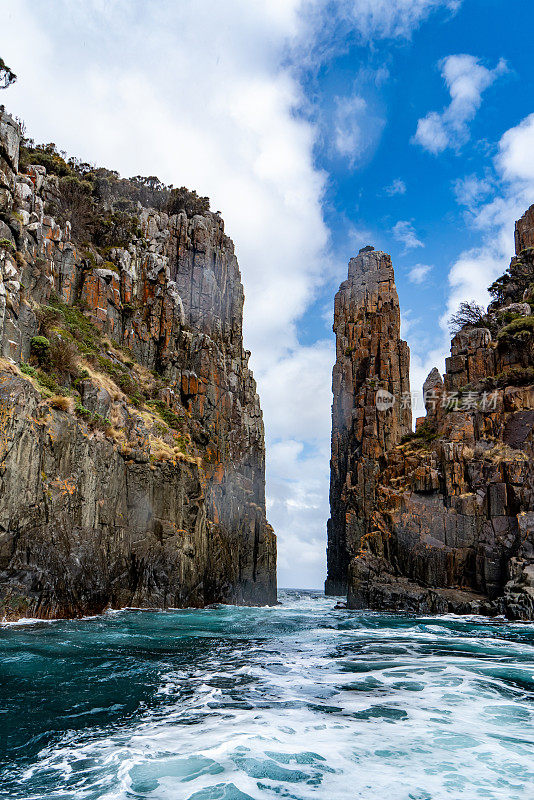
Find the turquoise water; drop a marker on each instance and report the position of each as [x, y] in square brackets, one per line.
[298, 701]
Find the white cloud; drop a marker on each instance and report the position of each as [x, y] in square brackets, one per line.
[476, 268]
[350, 111]
[471, 190]
[515, 160]
[369, 19]
[297, 391]
[205, 94]
[404, 232]
[396, 187]
[466, 79]
[298, 509]
[418, 273]
[358, 118]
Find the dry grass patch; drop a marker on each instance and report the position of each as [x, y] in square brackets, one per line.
[61, 403]
[7, 366]
[502, 452]
[105, 381]
[162, 451]
[118, 436]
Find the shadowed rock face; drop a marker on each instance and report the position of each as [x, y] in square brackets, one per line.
[163, 501]
[370, 356]
[443, 519]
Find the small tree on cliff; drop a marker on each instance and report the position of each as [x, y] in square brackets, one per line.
[7, 76]
[468, 315]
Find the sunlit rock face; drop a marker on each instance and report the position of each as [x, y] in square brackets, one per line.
[371, 358]
[524, 231]
[159, 436]
[442, 519]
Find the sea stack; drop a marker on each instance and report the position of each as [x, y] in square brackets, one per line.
[441, 519]
[370, 412]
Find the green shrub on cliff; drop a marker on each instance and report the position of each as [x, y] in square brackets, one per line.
[87, 336]
[94, 420]
[516, 280]
[76, 205]
[183, 199]
[64, 356]
[424, 435]
[168, 416]
[114, 229]
[517, 376]
[46, 155]
[40, 349]
[27, 369]
[517, 328]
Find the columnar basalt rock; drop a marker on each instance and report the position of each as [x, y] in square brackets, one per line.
[446, 520]
[369, 413]
[524, 231]
[160, 429]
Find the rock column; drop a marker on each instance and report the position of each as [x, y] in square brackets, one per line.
[369, 413]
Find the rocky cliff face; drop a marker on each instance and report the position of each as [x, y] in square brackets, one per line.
[447, 522]
[132, 465]
[371, 359]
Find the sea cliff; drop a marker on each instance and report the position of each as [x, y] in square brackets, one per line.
[132, 463]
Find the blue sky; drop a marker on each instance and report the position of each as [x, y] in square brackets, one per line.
[316, 127]
[397, 179]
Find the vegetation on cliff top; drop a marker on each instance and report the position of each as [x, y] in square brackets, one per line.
[101, 206]
[7, 76]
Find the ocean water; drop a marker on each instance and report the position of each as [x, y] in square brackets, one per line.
[297, 701]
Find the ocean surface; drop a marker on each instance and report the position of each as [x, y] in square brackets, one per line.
[296, 701]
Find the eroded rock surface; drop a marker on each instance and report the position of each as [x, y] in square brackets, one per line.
[440, 520]
[371, 359]
[139, 400]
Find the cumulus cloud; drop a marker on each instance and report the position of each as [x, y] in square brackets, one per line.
[404, 232]
[296, 390]
[207, 94]
[470, 190]
[396, 187]
[476, 268]
[359, 117]
[466, 79]
[297, 501]
[369, 20]
[357, 129]
[418, 273]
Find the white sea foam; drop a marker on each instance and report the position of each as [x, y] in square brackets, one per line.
[297, 701]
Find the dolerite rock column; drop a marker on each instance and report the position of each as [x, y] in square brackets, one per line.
[372, 364]
[524, 231]
[144, 482]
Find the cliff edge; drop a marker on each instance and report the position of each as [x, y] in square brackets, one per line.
[132, 463]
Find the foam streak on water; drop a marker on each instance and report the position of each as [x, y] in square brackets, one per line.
[299, 701]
